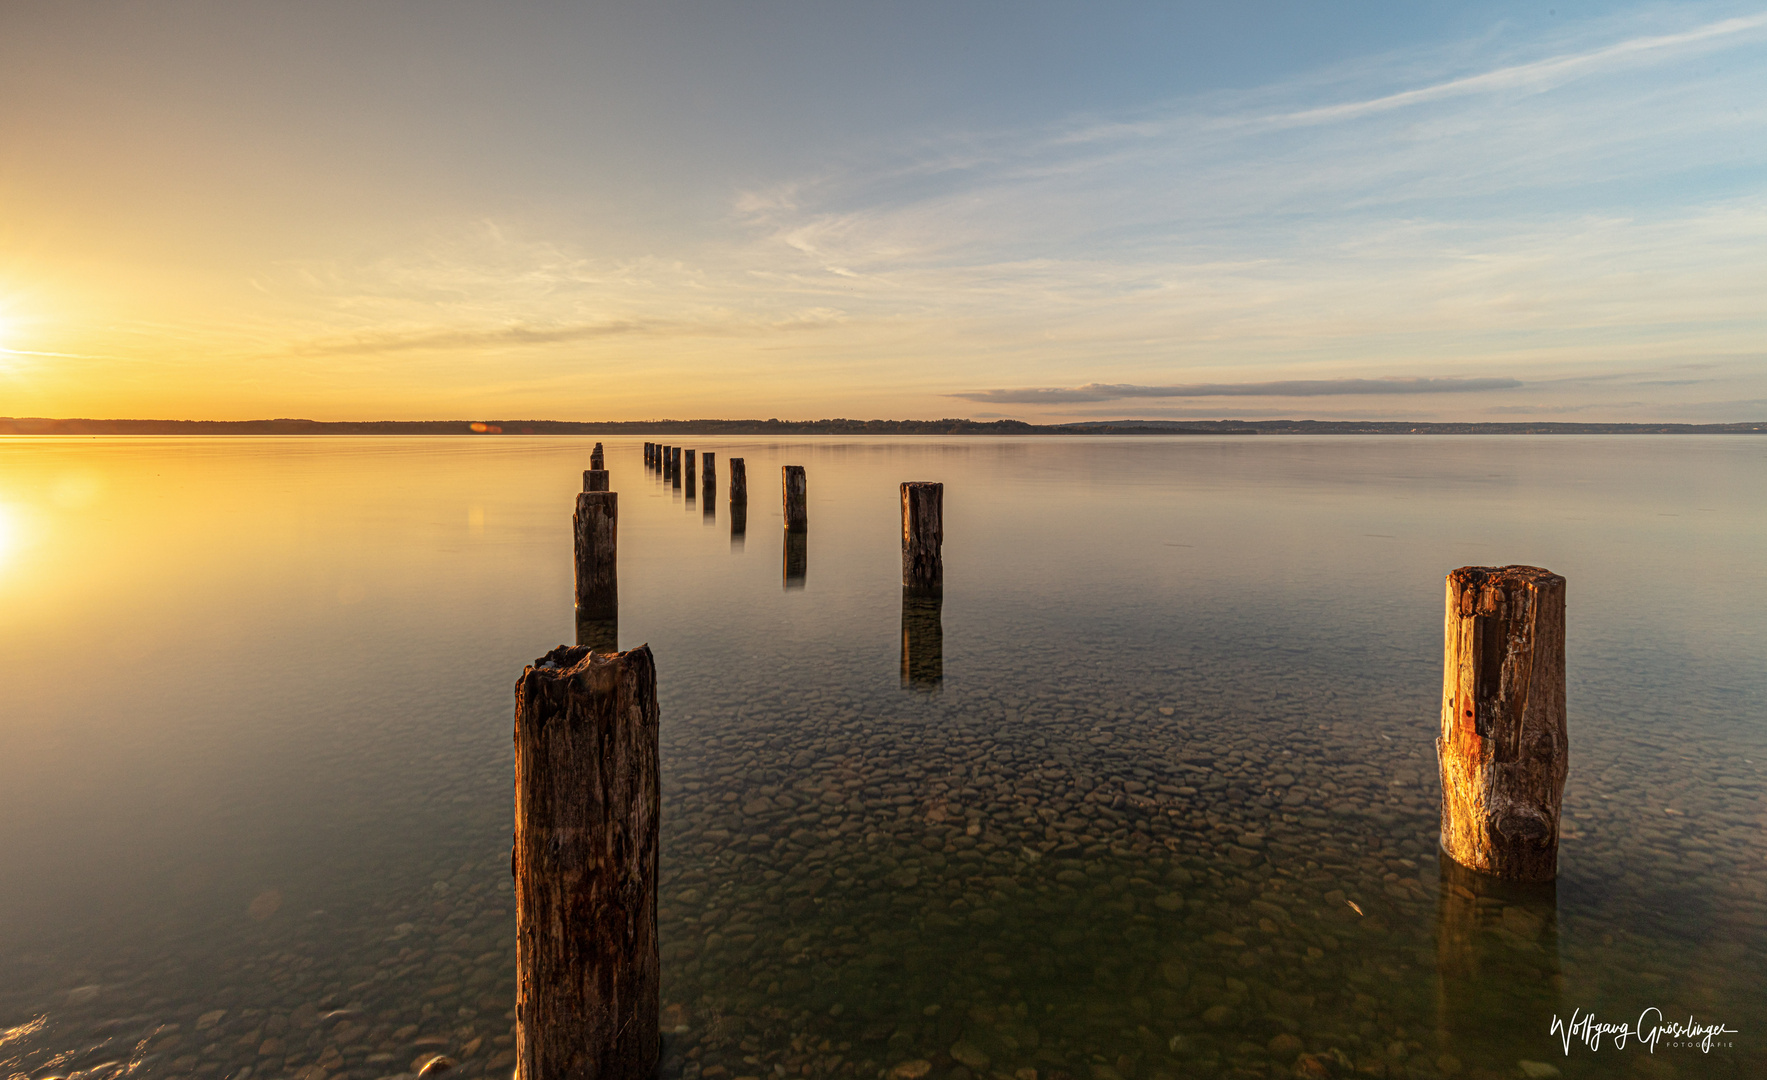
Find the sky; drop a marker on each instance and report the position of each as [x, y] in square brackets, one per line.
[1050, 212]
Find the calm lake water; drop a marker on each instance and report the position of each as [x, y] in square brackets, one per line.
[1168, 810]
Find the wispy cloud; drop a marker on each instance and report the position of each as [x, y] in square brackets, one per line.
[1539, 74]
[1302, 388]
[1558, 211]
[395, 341]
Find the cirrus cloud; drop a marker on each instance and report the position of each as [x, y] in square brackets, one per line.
[1064, 395]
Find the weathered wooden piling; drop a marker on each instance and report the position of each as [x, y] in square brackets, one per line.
[647, 447]
[739, 482]
[691, 475]
[595, 526]
[587, 805]
[1504, 747]
[668, 462]
[923, 536]
[595, 480]
[923, 639]
[709, 464]
[797, 558]
[795, 489]
[675, 466]
[596, 459]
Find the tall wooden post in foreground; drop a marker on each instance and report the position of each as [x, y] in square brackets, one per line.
[1504, 748]
[587, 805]
[795, 489]
[923, 536]
[595, 480]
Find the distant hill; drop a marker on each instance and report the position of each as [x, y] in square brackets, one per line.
[41, 426]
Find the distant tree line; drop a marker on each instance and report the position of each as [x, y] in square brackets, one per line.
[486, 428]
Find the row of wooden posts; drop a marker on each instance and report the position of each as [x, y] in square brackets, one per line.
[587, 776]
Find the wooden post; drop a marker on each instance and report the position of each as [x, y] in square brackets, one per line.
[675, 466]
[587, 804]
[596, 460]
[739, 503]
[647, 455]
[691, 477]
[668, 460]
[923, 536]
[708, 460]
[795, 488]
[595, 480]
[1504, 748]
[923, 639]
[739, 482]
[595, 526]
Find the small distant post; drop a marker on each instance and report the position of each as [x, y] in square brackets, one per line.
[796, 490]
[675, 466]
[691, 478]
[647, 455]
[596, 460]
[595, 480]
[708, 462]
[1504, 747]
[668, 460]
[739, 503]
[739, 482]
[587, 804]
[923, 536]
[595, 527]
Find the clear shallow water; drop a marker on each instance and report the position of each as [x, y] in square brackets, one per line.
[255, 756]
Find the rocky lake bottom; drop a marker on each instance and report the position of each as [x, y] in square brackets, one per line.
[1042, 881]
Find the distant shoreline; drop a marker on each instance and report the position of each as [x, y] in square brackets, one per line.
[45, 426]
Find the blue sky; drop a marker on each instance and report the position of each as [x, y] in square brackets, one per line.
[1042, 211]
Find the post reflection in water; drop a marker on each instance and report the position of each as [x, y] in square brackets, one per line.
[599, 632]
[1497, 960]
[797, 558]
[923, 639]
[739, 523]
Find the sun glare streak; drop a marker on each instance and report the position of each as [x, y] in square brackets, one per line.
[8, 535]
